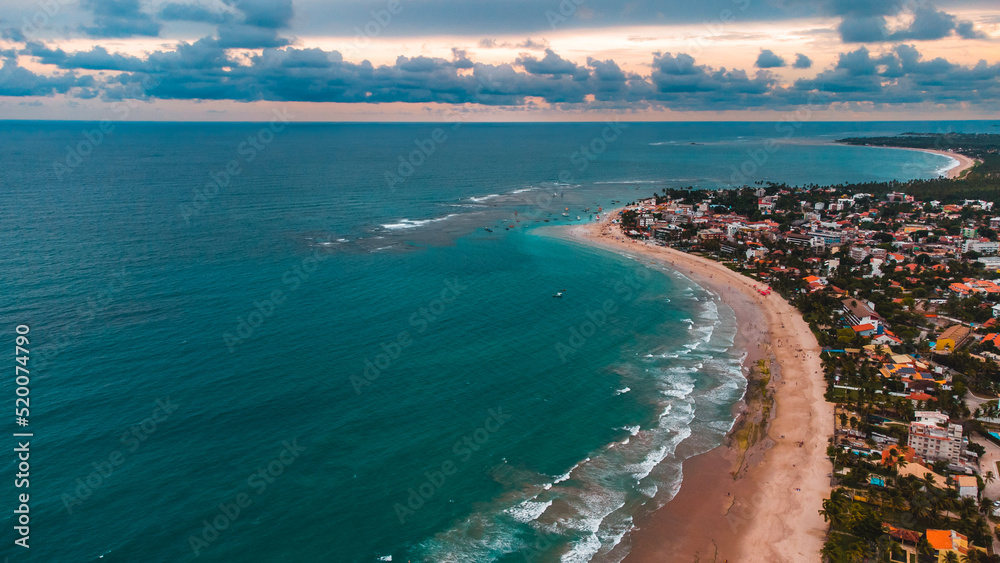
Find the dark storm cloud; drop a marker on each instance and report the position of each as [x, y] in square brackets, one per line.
[903, 76]
[203, 70]
[176, 11]
[18, 81]
[553, 65]
[119, 18]
[966, 30]
[767, 59]
[864, 21]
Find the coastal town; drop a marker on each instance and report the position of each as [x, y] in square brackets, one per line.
[900, 284]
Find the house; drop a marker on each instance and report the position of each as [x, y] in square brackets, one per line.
[952, 338]
[865, 329]
[905, 452]
[885, 337]
[968, 486]
[949, 541]
[859, 312]
[919, 471]
[902, 534]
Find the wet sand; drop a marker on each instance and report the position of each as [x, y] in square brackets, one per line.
[769, 510]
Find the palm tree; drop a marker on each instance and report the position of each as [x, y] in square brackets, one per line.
[857, 553]
[989, 477]
[951, 557]
[833, 508]
[897, 502]
[985, 506]
[832, 551]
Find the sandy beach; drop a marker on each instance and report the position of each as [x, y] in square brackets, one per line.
[964, 162]
[764, 505]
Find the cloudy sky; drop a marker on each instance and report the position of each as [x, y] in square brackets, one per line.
[527, 60]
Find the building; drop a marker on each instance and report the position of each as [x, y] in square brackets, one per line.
[858, 312]
[952, 338]
[968, 486]
[990, 262]
[989, 248]
[934, 438]
[865, 329]
[949, 541]
[829, 237]
[711, 234]
[798, 240]
[858, 253]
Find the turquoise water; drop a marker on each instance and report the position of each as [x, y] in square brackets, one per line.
[203, 363]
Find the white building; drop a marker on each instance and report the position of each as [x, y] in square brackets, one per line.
[934, 438]
[968, 486]
[974, 245]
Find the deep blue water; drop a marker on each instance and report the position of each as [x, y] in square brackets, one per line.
[258, 311]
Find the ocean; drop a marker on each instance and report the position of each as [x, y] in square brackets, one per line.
[339, 342]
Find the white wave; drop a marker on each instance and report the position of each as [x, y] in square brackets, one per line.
[630, 182]
[483, 198]
[413, 223]
[952, 163]
[528, 510]
[569, 472]
[632, 430]
[385, 558]
[522, 190]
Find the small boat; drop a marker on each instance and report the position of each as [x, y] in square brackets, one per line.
[559, 294]
[577, 217]
[488, 230]
[565, 214]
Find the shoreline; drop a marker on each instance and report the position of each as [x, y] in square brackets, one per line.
[963, 163]
[957, 171]
[761, 504]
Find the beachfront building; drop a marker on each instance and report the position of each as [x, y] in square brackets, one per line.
[934, 438]
[859, 312]
[949, 541]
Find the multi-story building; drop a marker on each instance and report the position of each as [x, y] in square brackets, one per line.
[934, 438]
[857, 312]
[829, 237]
[981, 246]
